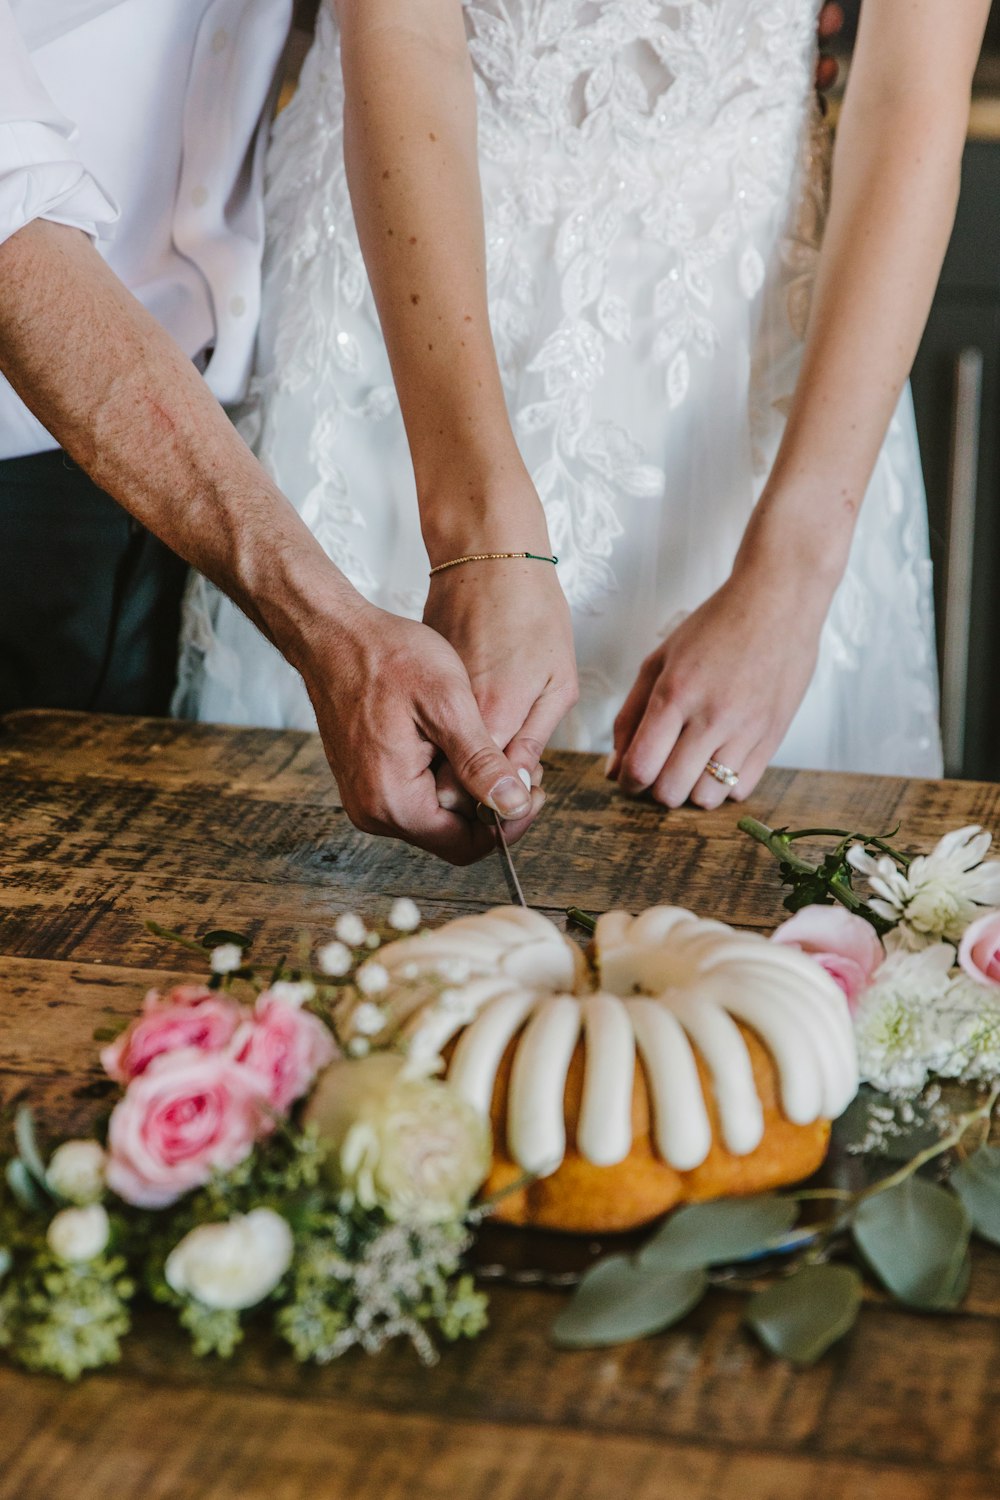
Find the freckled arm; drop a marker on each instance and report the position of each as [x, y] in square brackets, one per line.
[411, 154]
[895, 190]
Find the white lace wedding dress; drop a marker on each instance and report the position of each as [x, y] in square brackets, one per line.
[654, 180]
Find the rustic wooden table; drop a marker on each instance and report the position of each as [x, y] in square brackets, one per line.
[105, 823]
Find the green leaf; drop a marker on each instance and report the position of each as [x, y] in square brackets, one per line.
[618, 1300]
[977, 1183]
[27, 1144]
[708, 1234]
[915, 1237]
[220, 935]
[24, 1187]
[800, 1317]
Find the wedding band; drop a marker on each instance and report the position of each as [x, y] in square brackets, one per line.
[722, 773]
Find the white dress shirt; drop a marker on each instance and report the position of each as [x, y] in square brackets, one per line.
[141, 122]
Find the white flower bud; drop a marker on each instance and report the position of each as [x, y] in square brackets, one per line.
[373, 979]
[227, 958]
[367, 1019]
[292, 993]
[335, 959]
[350, 929]
[79, 1234]
[234, 1264]
[404, 915]
[76, 1171]
[373, 940]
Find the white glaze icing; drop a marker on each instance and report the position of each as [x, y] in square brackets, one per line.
[665, 984]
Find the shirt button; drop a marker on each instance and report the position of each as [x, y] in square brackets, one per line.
[220, 40]
[237, 306]
[199, 197]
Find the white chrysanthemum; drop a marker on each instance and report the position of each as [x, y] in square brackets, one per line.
[970, 1017]
[941, 892]
[899, 1023]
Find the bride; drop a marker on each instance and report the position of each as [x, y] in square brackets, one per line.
[546, 276]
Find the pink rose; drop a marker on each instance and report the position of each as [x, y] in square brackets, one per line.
[188, 1016]
[979, 950]
[286, 1047]
[189, 1114]
[846, 946]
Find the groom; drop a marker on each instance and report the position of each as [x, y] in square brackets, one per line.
[131, 154]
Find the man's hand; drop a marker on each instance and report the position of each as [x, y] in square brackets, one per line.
[391, 698]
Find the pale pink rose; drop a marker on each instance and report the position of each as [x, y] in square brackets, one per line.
[189, 1114]
[286, 1047]
[188, 1016]
[979, 950]
[846, 946]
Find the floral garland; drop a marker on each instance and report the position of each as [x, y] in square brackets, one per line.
[918, 957]
[255, 1162]
[250, 1160]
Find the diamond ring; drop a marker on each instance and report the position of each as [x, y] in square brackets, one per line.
[725, 774]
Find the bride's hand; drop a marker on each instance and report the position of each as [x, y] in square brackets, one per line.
[723, 686]
[510, 624]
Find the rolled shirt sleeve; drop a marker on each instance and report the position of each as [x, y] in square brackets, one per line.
[41, 175]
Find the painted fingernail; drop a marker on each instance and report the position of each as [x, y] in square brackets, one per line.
[449, 799]
[508, 798]
[525, 776]
[536, 776]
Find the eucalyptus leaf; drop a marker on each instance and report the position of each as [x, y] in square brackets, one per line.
[800, 1317]
[618, 1300]
[27, 1145]
[219, 936]
[915, 1237]
[24, 1187]
[977, 1183]
[709, 1234]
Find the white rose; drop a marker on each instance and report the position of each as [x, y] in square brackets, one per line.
[407, 1144]
[404, 915]
[335, 959]
[79, 1234]
[226, 959]
[234, 1264]
[76, 1171]
[350, 929]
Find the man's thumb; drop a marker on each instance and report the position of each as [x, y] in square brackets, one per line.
[483, 769]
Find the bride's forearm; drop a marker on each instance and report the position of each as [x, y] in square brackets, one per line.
[411, 153]
[895, 186]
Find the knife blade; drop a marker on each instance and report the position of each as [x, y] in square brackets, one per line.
[509, 873]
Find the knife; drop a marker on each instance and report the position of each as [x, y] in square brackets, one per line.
[503, 849]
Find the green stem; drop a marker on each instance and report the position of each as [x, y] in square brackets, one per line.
[581, 919]
[176, 937]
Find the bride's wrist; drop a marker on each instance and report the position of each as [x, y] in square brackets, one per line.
[471, 513]
[795, 544]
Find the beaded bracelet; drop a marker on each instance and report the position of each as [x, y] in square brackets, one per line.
[456, 562]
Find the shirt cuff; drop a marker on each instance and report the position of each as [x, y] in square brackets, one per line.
[41, 179]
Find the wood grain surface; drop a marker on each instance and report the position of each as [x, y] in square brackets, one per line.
[105, 823]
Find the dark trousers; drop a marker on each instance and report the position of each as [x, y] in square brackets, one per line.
[89, 600]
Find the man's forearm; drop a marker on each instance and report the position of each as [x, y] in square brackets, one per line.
[112, 387]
